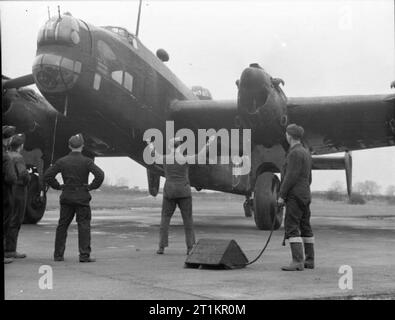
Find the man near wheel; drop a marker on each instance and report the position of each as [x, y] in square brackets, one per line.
[75, 197]
[295, 194]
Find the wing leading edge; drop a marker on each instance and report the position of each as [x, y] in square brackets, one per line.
[334, 124]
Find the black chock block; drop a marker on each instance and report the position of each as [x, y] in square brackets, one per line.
[216, 254]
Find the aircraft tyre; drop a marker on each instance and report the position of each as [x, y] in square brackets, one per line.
[265, 202]
[35, 205]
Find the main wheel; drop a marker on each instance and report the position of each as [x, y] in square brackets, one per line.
[35, 205]
[265, 202]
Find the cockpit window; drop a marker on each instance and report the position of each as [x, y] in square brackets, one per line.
[117, 76]
[118, 30]
[125, 34]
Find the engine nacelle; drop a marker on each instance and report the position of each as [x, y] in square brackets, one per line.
[262, 106]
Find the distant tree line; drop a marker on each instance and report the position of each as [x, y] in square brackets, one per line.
[362, 192]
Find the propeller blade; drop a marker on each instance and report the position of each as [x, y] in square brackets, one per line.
[18, 82]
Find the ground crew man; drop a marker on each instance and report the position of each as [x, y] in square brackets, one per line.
[9, 179]
[75, 197]
[19, 196]
[295, 192]
[177, 191]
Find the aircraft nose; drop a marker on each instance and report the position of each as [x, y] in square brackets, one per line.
[56, 68]
[55, 73]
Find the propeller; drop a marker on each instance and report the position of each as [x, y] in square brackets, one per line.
[17, 82]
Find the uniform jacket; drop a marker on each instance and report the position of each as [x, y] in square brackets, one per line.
[75, 169]
[177, 181]
[23, 176]
[297, 174]
[9, 172]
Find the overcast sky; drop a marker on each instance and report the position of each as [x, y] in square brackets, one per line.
[318, 47]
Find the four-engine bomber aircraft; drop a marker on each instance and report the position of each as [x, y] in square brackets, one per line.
[103, 82]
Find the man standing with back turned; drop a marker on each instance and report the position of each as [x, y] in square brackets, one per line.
[75, 197]
[295, 193]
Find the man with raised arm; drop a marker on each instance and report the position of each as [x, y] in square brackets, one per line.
[177, 190]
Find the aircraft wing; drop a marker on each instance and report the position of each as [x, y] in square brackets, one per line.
[334, 124]
[204, 114]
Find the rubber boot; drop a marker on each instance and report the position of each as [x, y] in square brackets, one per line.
[89, 259]
[15, 255]
[297, 263]
[309, 252]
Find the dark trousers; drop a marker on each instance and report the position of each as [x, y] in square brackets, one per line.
[7, 210]
[168, 208]
[297, 218]
[83, 217]
[19, 197]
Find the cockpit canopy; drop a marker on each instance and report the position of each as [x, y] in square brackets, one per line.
[201, 93]
[123, 33]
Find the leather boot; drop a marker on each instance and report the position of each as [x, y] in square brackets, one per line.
[8, 260]
[309, 252]
[297, 263]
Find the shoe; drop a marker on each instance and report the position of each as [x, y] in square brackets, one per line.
[161, 250]
[297, 263]
[87, 260]
[8, 260]
[58, 259]
[309, 253]
[15, 255]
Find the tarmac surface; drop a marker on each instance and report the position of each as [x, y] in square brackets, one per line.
[124, 242]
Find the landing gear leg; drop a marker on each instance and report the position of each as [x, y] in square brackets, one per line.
[248, 207]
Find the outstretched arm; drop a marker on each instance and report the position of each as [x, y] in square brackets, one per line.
[158, 158]
[201, 154]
